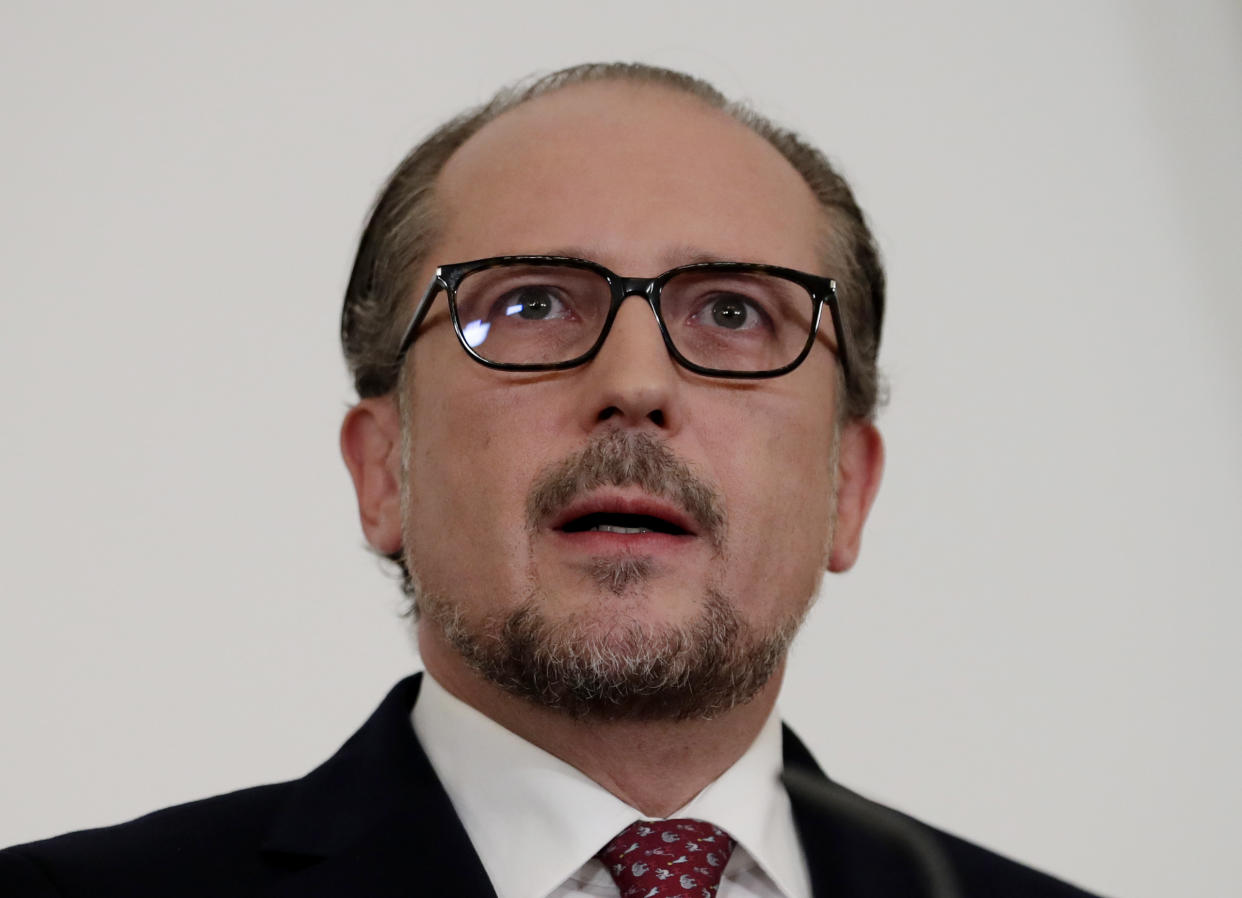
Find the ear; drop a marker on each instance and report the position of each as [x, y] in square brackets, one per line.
[371, 445]
[860, 465]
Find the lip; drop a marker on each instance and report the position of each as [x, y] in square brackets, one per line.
[625, 503]
[598, 544]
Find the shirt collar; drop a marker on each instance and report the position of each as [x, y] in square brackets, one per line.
[495, 779]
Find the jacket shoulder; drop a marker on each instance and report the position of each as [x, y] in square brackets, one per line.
[190, 849]
[983, 873]
[857, 847]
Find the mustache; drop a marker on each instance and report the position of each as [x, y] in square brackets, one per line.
[628, 458]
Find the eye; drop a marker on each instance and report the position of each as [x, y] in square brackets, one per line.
[732, 312]
[533, 302]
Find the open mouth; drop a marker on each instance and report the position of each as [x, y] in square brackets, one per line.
[620, 522]
[624, 515]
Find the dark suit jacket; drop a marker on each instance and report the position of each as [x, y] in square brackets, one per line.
[374, 821]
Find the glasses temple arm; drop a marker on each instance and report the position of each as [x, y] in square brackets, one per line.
[420, 312]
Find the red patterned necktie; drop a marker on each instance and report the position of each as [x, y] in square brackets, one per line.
[668, 858]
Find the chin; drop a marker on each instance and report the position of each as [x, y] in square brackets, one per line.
[620, 665]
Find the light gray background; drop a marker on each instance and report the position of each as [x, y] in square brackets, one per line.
[1037, 648]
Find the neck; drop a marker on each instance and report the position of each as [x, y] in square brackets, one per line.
[655, 766]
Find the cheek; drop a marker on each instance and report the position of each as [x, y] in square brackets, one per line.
[467, 480]
[453, 423]
[777, 478]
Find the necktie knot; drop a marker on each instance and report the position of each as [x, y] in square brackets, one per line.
[667, 858]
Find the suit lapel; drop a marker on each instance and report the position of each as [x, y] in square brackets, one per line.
[845, 859]
[374, 820]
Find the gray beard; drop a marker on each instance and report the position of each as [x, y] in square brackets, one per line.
[628, 671]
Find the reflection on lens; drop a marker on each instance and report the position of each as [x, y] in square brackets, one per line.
[475, 333]
[532, 313]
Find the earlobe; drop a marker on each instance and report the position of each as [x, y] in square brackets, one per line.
[371, 446]
[860, 465]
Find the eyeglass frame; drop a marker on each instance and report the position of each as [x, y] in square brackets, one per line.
[822, 291]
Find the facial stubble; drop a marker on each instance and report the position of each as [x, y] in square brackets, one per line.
[604, 664]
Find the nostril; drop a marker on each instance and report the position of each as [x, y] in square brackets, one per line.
[655, 416]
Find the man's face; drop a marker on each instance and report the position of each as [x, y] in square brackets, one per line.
[639, 179]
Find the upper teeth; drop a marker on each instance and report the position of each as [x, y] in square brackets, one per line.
[613, 528]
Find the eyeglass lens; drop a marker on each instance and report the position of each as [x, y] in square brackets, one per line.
[532, 314]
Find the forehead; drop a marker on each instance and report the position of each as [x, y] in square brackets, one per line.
[638, 177]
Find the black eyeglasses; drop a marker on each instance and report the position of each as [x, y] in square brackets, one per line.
[547, 313]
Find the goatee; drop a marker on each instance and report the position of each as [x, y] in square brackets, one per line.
[598, 666]
[628, 671]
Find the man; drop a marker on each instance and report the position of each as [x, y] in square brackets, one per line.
[615, 342]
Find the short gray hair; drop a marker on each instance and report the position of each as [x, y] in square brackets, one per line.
[403, 224]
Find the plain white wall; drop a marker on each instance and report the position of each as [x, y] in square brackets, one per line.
[1037, 648]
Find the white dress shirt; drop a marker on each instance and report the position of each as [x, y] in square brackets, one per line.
[536, 822]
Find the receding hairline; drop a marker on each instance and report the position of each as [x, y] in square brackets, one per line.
[624, 83]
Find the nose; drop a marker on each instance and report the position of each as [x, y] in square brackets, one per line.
[632, 382]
